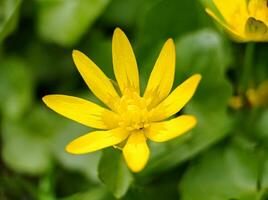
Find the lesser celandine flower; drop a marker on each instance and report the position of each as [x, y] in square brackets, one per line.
[236, 102]
[258, 97]
[244, 20]
[255, 97]
[129, 119]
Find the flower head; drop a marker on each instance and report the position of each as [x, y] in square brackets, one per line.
[244, 20]
[129, 119]
[254, 97]
[258, 97]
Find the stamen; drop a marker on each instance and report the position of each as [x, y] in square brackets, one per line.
[133, 112]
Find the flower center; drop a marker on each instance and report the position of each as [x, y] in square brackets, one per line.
[133, 112]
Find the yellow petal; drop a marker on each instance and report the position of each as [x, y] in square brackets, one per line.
[256, 30]
[259, 10]
[176, 100]
[231, 31]
[82, 111]
[234, 12]
[124, 63]
[162, 76]
[136, 151]
[96, 80]
[167, 130]
[96, 140]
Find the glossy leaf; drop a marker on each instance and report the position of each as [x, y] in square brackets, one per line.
[230, 172]
[65, 22]
[114, 173]
[98, 193]
[26, 146]
[85, 164]
[16, 87]
[9, 13]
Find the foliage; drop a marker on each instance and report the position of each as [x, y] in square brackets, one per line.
[223, 157]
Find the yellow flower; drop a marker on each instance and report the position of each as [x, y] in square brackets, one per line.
[254, 97]
[129, 119]
[236, 102]
[244, 20]
[258, 97]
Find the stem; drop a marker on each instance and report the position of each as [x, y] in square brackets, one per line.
[248, 62]
[46, 186]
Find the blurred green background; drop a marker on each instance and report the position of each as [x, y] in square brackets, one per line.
[224, 158]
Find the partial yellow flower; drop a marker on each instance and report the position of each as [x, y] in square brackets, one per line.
[129, 119]
[236, 102]
[258, 97]
[254, 97]
[244, 20]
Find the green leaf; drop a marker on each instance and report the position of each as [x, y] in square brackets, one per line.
[177, 17]
[65, 22]
[263, 182]
[230, 172]
[26, 145]
[262, 126]
[86, 164]
[24, 153]
[123, 12]
[16, 87]
[160, 20]
[9, 11]
[114, 173]
[209, 57]
[98, 193]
